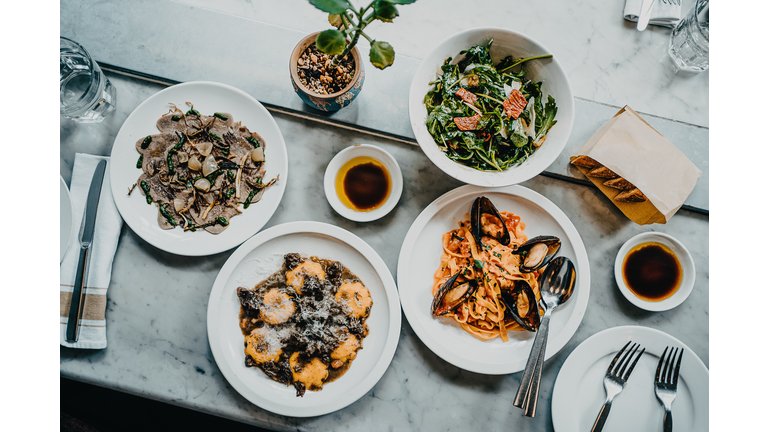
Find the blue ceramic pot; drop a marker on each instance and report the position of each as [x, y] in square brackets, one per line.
[330, 102]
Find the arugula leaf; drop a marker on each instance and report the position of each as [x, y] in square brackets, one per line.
[550, 110]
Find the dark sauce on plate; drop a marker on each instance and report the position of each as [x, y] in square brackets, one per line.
[652, 271]
[363, 184]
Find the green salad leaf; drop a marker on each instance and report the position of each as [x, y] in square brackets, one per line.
[499, 141]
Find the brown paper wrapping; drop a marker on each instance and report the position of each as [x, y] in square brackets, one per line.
[631, 148]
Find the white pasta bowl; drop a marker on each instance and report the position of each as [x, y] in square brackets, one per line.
[505, 43]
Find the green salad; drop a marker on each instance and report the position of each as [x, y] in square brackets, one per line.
[485, 116]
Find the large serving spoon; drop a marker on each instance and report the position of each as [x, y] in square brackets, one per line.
[556, 287]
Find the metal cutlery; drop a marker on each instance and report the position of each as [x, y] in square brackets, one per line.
[665, 383]
[557, 283]
[86, 238]
[615, 378]
[645, 14]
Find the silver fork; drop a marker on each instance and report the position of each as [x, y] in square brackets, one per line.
[615, 379]
[665, 383]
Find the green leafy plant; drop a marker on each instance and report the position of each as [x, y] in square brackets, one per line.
[350, 23]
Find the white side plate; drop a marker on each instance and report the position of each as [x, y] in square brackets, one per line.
[579, 393]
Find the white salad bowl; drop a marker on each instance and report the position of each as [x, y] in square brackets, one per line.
[505, 42]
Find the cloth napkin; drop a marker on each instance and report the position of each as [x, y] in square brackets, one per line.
[664, 13]
[92, 333]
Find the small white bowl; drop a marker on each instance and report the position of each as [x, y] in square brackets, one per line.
[686, 263]
[358, 150]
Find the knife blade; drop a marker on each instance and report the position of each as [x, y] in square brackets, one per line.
[645, 14]
[87, 228]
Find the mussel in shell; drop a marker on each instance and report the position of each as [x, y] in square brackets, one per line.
[537, 252]
[452, 294]
[532, 318]
[483, 205]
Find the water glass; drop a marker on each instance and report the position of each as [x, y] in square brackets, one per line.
[85, 94]
[689, 44]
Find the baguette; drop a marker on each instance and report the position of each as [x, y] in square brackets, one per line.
[633, 195]
[602, 172]
[619, 183]
[586, 162]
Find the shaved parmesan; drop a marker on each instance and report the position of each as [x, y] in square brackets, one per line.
[508, 88]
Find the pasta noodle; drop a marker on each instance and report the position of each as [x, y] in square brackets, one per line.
[494, 267]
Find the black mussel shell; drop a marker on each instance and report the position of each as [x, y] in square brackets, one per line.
[484, 205]
[439, 308]
[552, 245]
[532, 320]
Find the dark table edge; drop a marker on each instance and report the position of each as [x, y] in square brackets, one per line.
[318, 117]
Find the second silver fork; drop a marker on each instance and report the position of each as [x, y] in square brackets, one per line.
[615, 378]
[665, 383]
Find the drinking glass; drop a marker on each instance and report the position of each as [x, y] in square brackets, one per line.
[689, 44]
[85, 94]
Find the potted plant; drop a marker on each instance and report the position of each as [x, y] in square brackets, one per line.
[326, 68]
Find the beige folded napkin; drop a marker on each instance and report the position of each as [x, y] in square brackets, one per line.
[93, 324]
[630, 147]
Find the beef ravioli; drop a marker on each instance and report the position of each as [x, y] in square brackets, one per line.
[199, 169]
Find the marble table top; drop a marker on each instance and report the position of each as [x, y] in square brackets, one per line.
[247, 43]
[157, 302]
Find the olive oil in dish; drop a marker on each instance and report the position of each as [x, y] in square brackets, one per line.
[363, 184]
[652, 271]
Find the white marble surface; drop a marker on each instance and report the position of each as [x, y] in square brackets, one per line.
[156, 314]
[605, 57]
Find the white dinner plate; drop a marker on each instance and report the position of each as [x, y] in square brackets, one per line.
[66, 219]
[261, 256]
[207, 97]
[420, 258]
[579, 392]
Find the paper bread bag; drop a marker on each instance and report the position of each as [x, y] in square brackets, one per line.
[631, 148]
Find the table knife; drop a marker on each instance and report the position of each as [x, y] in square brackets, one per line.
[645, 14]
[86, 238]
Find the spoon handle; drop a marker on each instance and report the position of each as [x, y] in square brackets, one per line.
[538, 342]
[529, 407]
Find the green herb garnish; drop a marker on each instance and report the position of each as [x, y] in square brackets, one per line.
[221, 116]
[147, 140]
[140, 162]
[169, 217]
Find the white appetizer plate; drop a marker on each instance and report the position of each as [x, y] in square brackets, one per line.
[66, 219]
[505, 43]
[207, 97]
[420, 258]
[360, 150]
[579, 393]
[686, 263]
[261, 256]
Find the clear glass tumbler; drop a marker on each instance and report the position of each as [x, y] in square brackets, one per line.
[86, 95]
[689, 44]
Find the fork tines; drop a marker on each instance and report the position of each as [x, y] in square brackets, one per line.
[624, 359]
[668, 375]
